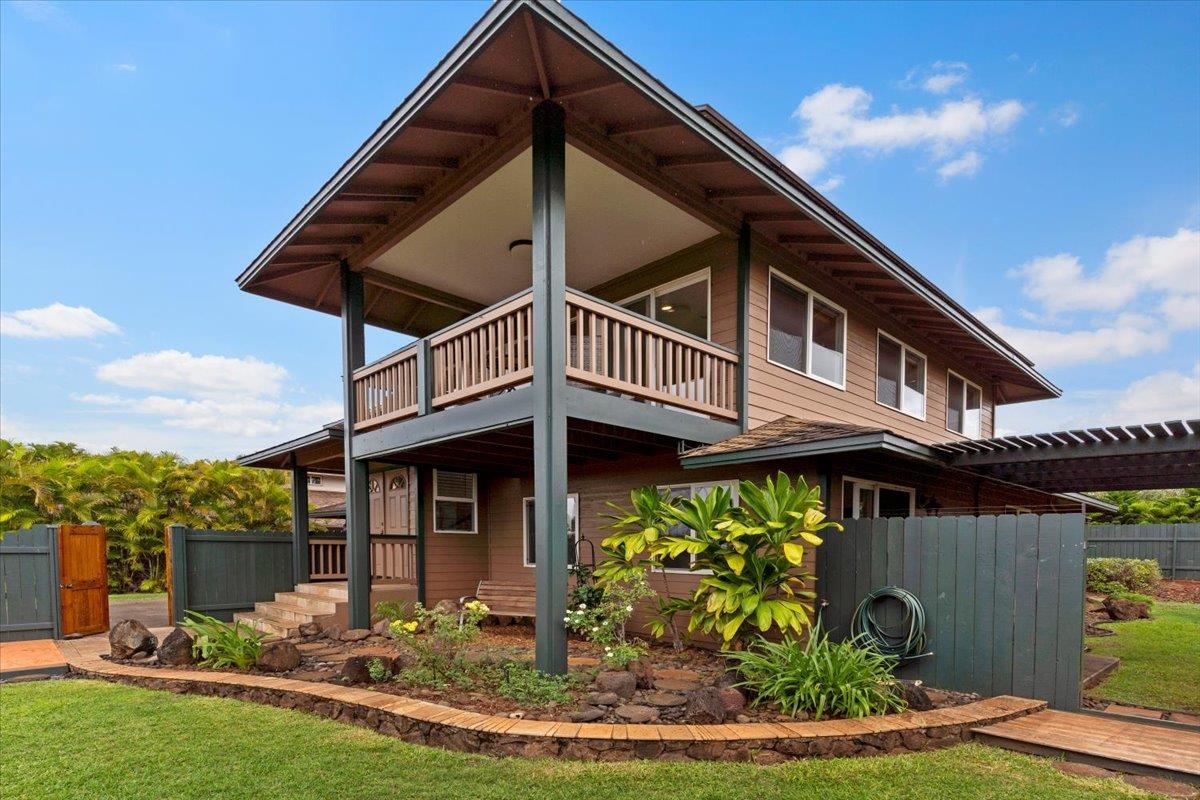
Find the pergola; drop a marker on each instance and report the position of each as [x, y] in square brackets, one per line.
[1157, 455]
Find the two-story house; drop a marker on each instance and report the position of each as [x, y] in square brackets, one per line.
[596, 285]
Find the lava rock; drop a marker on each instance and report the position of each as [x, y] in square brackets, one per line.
[278, 657]
[355, 634]
[176, 649]
[732, 699]
[380, 628]
[662, 699]
[130, 636]
[636, 714]
[606, 698]
[643, 671]
[1124, 610]
[310, 628]
[914, 695]
[705, 707]
[622, 684]
[586, 714]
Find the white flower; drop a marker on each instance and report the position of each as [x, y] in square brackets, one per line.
[629, 608]
[595, 628]
[582, 606]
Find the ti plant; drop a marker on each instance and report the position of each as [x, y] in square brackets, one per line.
[753, 553]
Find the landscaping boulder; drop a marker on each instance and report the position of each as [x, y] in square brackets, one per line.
[637, 714]
[130, 636]
[606, 698]
[733, 700]
[1124, 610]
[176, 649]
[446, 607]
[619, 682]
[914, 695]
[355, 634]
[643, 671]
[278, 657]
[380, 628]
[310, 628]
[357, 669]
[586, 714]
[705, 707]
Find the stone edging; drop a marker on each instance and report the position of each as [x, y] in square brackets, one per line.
[441, 726]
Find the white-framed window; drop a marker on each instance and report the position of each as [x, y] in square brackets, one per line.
[455, 502]
[683, 561]
[572, 529]
[899, 376]
[871, 499]
[964, 406]
[806, 332]
[684, 304]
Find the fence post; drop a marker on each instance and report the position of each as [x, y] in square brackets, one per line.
[177, 547]
[1174, 548]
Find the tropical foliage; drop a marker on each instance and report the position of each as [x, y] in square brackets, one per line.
[135, 495]
[819, 677]
[1158, 506]
[221, 645]
[752, 554]
[603, 623]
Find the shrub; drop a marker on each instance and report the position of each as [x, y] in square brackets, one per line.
[377, 670]
[753, 553]
[436, 637]
[393, 610]
[585, 591]
[220, 645]
[604, 624]
[1133, 574]
[528, 686]
[820, 677]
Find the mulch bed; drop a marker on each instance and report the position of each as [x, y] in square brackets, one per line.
[1178, 591]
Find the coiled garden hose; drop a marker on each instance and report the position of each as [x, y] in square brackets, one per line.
[905, 640]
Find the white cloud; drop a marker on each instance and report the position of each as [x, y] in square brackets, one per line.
[177, 372]
[246, 417]
[125, 67]
[838, 119]
[1125, 336]
[1181, 312]
[1159, 397]
[1065, 115]
[830, 183]
[1143, 264]
[55, 321]
[41, 11]
[965, 165]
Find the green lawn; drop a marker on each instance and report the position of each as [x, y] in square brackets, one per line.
[86, 739]
[117, 598]
[1160, 659]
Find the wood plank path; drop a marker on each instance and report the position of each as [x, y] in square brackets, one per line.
[1122, 745]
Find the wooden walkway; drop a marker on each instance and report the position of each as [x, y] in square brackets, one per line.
[1121, 745]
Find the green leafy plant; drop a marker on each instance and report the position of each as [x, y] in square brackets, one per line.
[1132, 574]
[585, 591]
[393, 610]
[604, 624]
[377, 670]
[753, 553]
[528, 686]
[820, 677]
[436, 638]
[220, 645]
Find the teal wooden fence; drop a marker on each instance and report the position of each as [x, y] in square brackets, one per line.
[29, 584]
[1175, 547]
[221, 572]
[1003, 597]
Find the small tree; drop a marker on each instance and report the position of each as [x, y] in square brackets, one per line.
[754, 552]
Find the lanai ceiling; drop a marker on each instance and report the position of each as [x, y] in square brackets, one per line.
[663, 159]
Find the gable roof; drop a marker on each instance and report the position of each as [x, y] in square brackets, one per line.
[789, 437]
[470, 115]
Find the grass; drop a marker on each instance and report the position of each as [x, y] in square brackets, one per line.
[1160, 659]
[117, 598]
[89, 739]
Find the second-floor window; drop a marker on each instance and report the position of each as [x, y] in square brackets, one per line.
[964, 403]
[807, 332]
[899, 376]
[682, 304]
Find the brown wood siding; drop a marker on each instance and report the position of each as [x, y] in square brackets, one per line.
[455, 563]
[776, 391]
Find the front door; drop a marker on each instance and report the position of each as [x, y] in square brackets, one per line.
[83, 578]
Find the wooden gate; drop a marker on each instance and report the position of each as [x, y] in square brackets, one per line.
[83, 579]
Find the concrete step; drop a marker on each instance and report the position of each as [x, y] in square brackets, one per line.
[314, 604]
[332, 591]
[285, 613]
[263, 624]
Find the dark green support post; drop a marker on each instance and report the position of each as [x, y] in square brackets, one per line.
[179, 576]
[358, 527]
[743, 325]
[424, 478]
[300, 570]
[550, 385]
[424, 378]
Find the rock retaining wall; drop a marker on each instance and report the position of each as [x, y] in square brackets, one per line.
[439, 726]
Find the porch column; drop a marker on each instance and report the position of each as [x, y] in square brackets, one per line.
[300, 570]
[358, 527]
[549, 385]
[743, 326]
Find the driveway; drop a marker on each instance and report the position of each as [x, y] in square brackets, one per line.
[152, 612]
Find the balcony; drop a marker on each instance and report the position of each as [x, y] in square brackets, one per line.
[609, 349]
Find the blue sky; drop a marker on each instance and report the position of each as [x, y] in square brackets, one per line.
[1039, 161]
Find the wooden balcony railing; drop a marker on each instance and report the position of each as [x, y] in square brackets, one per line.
[393, 558]
[608, 348]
